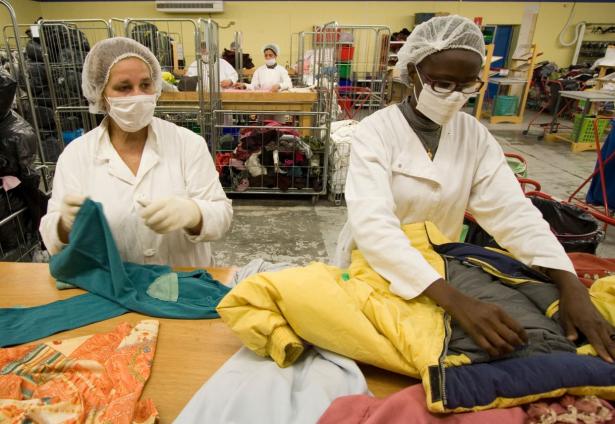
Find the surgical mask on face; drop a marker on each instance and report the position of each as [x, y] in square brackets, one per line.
[270, 62]
[132, 113]
[439, 107]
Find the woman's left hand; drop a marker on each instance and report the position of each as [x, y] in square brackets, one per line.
[578, 313]
[171, 214]
[275, 88]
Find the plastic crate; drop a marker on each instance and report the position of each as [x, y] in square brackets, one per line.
[584, 132]
[345, 53]
[505, 105]
[344, 70]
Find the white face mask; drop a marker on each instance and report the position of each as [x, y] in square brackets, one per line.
[270, 62]
[439, 107]
[132, 113]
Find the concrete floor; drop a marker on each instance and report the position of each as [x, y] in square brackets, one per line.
[293, 230]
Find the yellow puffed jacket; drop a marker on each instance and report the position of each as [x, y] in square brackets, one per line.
[353, 313]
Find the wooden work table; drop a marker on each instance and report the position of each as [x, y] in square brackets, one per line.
[238, 99]
[188, 352]
[253, 101]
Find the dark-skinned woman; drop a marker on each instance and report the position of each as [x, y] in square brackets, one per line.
[425, 160]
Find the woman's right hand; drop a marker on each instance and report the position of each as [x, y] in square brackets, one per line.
[71, 203]
[492, 329]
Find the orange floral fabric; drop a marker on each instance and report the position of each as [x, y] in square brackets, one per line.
[93, 379]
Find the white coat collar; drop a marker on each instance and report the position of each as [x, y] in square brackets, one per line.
[105, 152]
[414, 160]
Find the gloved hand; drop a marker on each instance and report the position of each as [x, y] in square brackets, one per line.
[170, 214]
[71, 203]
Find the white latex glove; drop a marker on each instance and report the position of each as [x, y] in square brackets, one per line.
[170, 214]
[71, 203]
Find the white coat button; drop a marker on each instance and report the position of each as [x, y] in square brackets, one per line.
[149, 252]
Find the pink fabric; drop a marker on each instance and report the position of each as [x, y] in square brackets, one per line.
[9, 182]
[408, 406]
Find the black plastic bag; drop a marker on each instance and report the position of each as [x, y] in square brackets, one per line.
[8, 87]
[576, 230]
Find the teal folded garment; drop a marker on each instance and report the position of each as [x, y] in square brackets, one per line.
[92, 262]
[22, 325]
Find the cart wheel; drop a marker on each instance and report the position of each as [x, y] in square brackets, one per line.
[314, 199]
[541, 137]
[525, 132]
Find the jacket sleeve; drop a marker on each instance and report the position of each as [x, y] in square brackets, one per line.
[65, 181]
[500, 207]
[252, 312]
[203, 186]
[286, 83]
[229, 72]
[192, 70]
[371, 213]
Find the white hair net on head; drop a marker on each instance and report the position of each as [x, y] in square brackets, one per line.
[99, 61]
[438, 34]
[274, 47]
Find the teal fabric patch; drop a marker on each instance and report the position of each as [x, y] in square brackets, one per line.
[345, 276]
[165, 287]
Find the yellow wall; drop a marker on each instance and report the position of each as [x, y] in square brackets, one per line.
[265, 21]
[27, 12]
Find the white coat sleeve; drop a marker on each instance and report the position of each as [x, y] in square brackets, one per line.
[228, 72]
[255, 82]
[500, 208]
[203, 186]
[286, 83]
[371, 213]
[65, 181]
[192, 70]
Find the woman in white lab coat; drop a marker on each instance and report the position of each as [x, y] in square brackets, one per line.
[228, 74]
[425, 160]
[271, 76]
[156, 181]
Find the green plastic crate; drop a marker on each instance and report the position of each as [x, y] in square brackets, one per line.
[585, 130]
[344, 69]
[505, 105]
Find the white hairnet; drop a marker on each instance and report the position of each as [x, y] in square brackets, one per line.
[438, 34]
[274, 47]
[100, 60]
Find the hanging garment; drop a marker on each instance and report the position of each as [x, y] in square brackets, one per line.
[356, 315]
[96, 379]
[408, 407]
[175, 162]
[249, 389]
[392, 182]
[594, 194]
[264, 78]
[91, 262]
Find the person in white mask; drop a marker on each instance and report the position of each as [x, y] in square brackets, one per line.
[270, 76]
[228, 74]
[155, 180]
[425, 160]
